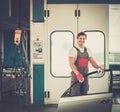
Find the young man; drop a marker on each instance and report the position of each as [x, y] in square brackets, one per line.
[79, 57]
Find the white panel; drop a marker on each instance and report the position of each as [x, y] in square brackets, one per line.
[62, 17]
[95, 17]
[114, 27]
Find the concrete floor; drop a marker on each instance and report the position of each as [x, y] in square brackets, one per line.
[36, 108]
[28, 108]
[7, 107]
[17, 104]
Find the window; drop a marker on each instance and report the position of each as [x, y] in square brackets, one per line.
[61, 42]
[114, 39]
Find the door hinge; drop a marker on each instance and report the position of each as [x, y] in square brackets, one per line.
[47, 94]
[77, 13]
[47, 13]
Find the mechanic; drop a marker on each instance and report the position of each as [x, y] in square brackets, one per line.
[79, 57]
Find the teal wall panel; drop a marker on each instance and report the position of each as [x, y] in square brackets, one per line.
[114, 67]
[38, 83]
[38, 10]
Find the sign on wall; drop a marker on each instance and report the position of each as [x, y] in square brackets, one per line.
[37, 49]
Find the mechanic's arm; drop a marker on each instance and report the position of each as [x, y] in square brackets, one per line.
[74, 69]
[72, 64]
[95, 65]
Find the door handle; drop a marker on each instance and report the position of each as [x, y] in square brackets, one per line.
[105, 101]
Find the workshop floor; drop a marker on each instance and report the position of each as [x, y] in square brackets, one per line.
[17, 104]
[30, 108]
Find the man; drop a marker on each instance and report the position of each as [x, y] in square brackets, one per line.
[79, 57]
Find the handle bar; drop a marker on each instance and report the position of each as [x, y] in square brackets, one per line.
[106, 70]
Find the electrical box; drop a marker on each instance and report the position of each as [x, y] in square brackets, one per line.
[116, 87]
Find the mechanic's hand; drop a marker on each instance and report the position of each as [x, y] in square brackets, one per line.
[101, 70]
[80, 77]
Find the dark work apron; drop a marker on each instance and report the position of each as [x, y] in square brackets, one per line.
[82, 66]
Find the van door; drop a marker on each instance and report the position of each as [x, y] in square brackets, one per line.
[97, 102]
[89, 103]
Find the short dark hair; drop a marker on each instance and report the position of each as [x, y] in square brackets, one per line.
[81, 33]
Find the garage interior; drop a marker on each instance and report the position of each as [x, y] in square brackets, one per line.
[15, 60]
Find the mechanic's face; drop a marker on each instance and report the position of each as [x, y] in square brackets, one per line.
[81, 40]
